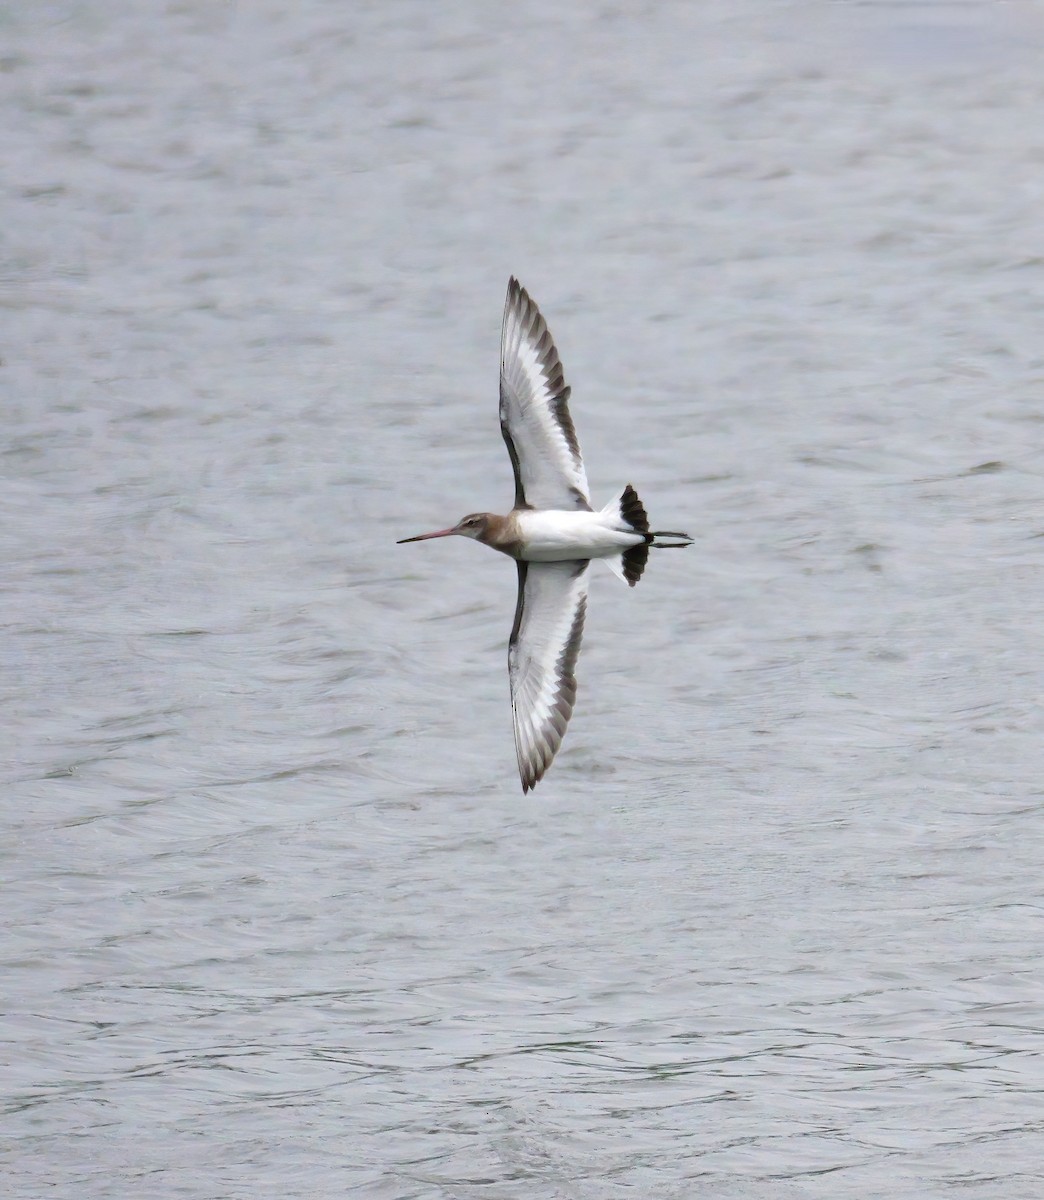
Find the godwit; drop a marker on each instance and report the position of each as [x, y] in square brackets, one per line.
[552, 533]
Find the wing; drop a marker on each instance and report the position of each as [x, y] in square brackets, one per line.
[545, 640]
[534, 412]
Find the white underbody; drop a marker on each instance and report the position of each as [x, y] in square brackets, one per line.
[555, 535]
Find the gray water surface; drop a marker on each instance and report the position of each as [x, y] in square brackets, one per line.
[278, 920]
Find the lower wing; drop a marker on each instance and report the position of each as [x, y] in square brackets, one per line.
[545, 642]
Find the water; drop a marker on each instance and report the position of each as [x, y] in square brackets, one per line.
[277, 918]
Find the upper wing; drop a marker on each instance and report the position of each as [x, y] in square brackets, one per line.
[534, 412]
[545, 640]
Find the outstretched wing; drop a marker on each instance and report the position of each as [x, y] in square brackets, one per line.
[534, 411]
[545, 641]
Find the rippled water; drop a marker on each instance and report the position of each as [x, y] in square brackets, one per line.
[277, 918]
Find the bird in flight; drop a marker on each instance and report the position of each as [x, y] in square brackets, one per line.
[552, 533]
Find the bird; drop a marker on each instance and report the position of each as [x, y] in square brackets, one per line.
[551, 532]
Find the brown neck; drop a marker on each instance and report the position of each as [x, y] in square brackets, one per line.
[503, 534]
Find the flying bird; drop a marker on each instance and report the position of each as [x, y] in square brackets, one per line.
[552, 533]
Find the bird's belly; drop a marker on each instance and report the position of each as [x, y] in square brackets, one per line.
[558, 536]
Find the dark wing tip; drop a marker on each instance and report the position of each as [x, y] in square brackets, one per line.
[535, 766]
[518, 298]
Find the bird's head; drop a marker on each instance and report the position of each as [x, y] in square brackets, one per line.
[474, 525]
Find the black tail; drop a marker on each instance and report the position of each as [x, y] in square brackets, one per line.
[634, 561]
[632, 510]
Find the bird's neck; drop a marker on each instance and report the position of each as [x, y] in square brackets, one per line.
[503, 534]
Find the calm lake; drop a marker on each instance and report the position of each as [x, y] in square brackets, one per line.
[278, 920]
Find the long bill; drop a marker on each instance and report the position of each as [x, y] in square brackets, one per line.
[423, 537]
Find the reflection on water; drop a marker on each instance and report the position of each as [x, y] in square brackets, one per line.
[277, 912]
